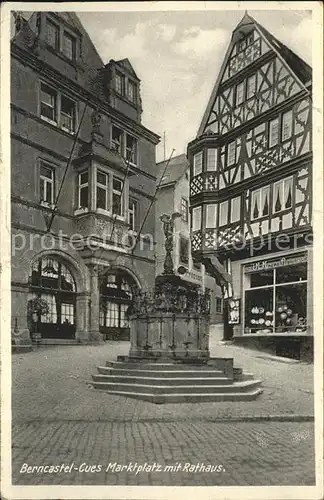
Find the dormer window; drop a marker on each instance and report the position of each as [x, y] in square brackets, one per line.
[131, 91]
[125, 87]
[120, 83]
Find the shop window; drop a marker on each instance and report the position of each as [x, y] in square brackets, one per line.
[211, 159]
[184, 209]
[51, 281]
[251, 86]
[211, 216]
[102, 190]
[47, 184]
[184, 250]
[276, 298]
[236, 209]
[83, 189]
[282, 195]
[197, 163]
[196, 219]
[223, 213]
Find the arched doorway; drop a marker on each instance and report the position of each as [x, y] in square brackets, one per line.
[51, 281]
[116, 295]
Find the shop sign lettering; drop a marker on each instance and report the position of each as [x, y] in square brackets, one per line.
[271, 264]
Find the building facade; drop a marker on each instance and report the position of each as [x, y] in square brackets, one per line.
[250, 191]
[173, 197]
[83, 177]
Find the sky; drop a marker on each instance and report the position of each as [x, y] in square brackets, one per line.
[177, 56]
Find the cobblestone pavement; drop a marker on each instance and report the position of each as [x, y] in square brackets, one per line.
[256, 454]
[59, 419]
[52, 383]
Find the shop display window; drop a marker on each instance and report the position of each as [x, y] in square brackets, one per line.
[276, 299]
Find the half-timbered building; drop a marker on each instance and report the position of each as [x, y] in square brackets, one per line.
[250, 191]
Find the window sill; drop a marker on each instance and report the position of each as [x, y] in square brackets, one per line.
[56, 126]
[80, 211]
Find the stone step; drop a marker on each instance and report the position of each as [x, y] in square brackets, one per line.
[106, 370]
[145, 365]
[161, 380]
[202, 397]
[237, 387]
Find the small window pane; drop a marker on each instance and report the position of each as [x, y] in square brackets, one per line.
[223, 213]
[117, 184]
[273, 132]
[292, 273]
[131, 91]
[211, 159]
[46, 172]
[286, 125]
[120, 83]
[84, 177]
[231, 153]
[197, 164]
[116, 139]
[52, 35]
[236, 209]
[251, 86]
[48, 103]
[84, 197]
[239, 93]
[102, 178]
[196, 218]
[69, 46]
[261, 278]
[101, 198]
[211, 216]
[117, 204]
[67, 114]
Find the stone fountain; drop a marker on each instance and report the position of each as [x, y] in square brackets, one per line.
[172, 321]
[169, 359]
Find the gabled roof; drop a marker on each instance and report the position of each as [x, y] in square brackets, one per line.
[176, 169]
[125, 63]
[299, 68]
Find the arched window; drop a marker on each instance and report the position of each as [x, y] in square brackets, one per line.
[116, 295]
[52, 281]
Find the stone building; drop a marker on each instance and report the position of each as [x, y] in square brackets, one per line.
[173, 197]
[250, 191]
[83, 177]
